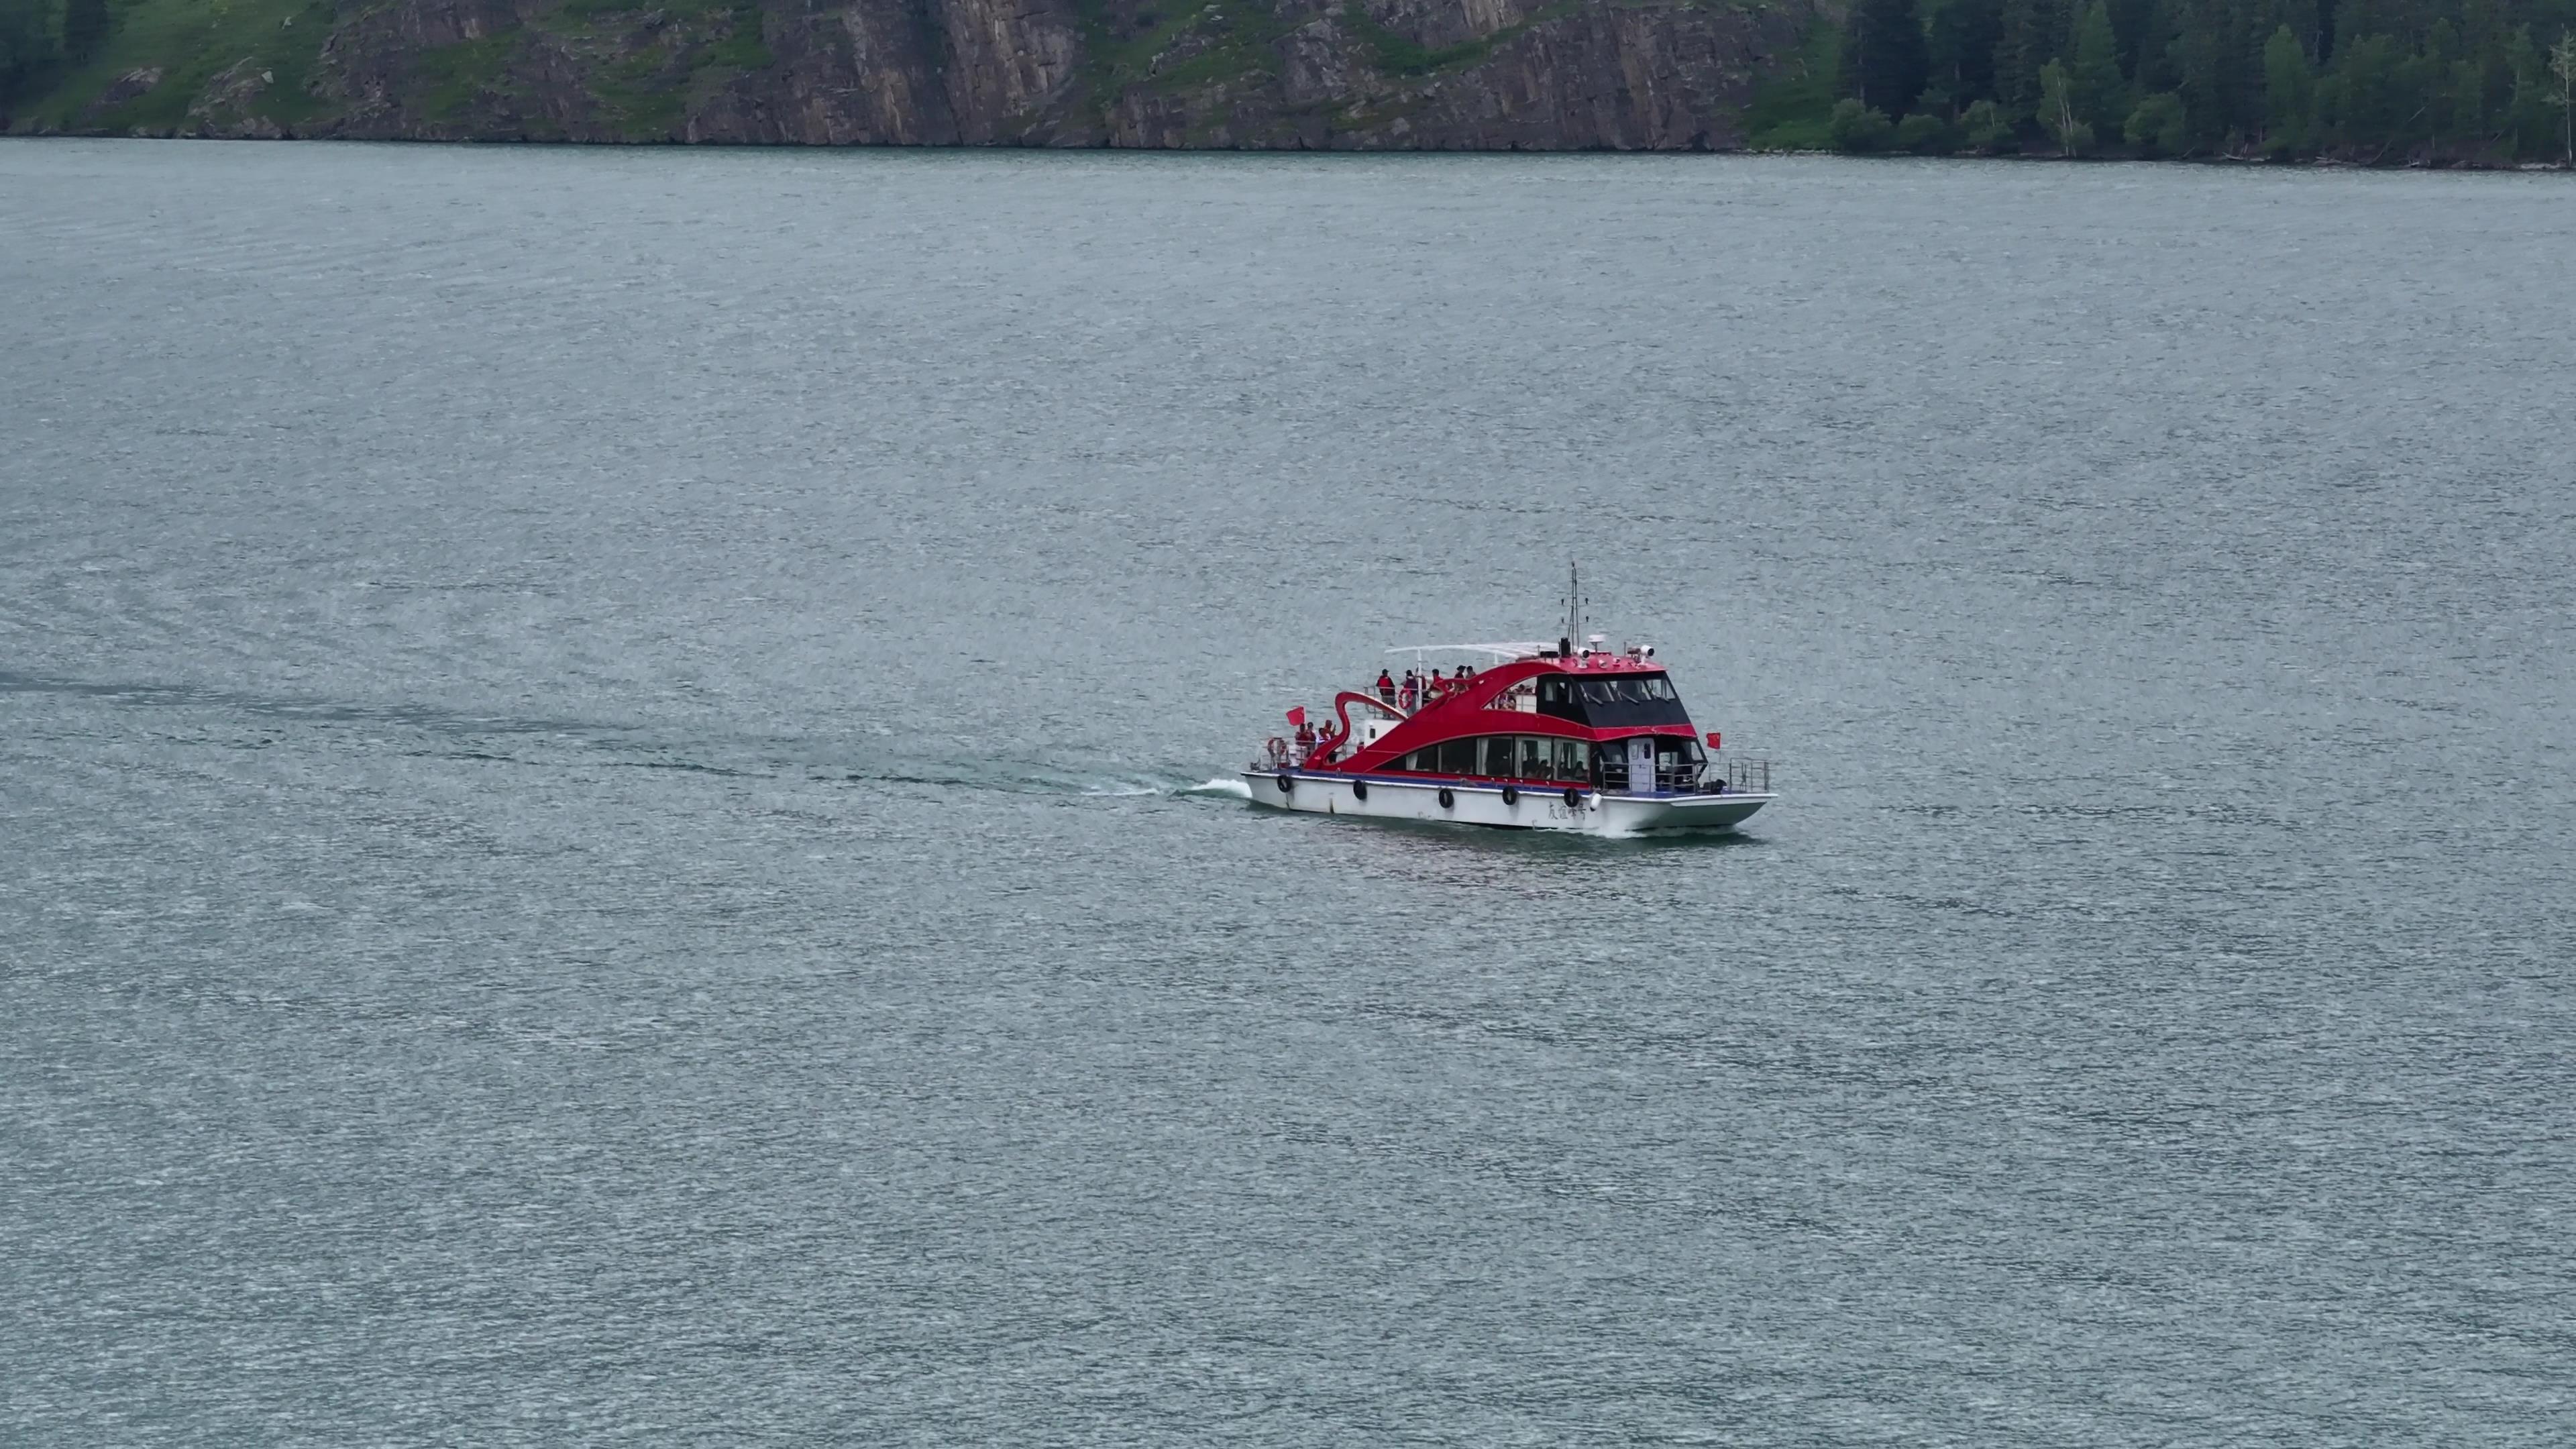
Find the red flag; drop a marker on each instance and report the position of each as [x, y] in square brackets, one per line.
[1297, 717]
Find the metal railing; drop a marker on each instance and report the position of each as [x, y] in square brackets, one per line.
[1749, 777]
[1740, 777]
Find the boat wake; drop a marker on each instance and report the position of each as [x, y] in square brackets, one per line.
[480, 741]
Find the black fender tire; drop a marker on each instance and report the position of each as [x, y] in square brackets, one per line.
[1447, 800]
[1359, 789]
[1286, 784]
[1511, 794]
[1573, 798]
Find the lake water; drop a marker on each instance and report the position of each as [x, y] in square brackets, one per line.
[598, 830]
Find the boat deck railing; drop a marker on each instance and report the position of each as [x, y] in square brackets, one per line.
[1742, 776]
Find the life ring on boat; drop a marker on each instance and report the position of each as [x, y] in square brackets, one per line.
[1573, 798]
[1511, 794]
[1447, 800]
[1286, 782]
[1359, 789]
[1277, 749]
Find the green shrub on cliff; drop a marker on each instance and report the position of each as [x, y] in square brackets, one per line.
[1926, 134]
[1790, 106]
[1859, 129]
[1988, 130]
[2156, 126]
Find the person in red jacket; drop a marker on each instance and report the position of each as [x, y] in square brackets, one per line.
[1386, 686]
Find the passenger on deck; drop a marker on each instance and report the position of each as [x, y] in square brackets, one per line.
[1386, 686]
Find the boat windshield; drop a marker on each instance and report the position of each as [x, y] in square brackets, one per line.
[1622, 701]
[1635, 689]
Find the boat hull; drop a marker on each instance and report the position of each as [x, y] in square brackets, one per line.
[1534, 807]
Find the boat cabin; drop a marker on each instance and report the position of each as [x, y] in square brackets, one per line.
[1555, 717]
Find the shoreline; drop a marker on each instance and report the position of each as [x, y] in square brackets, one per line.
[2257, 163]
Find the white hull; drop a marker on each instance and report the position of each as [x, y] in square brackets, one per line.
[1533, 807]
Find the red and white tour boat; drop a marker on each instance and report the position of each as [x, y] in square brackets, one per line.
[1543, 737]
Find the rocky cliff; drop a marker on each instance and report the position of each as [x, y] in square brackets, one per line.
[1266, 74]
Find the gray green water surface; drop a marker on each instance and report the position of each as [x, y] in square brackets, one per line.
[598, 843]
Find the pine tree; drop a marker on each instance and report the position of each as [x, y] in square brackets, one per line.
[2035, 32]
[2469, 119]
[26, 45]
[2354, 19]
[2100, 95]
[2289, 93]
[2528, 120]
[2199, 60]
[1959, 42]
[2241, 27]
[1883, 55]
[85, 25]
[2450, 91]
[2158, 66]
[2131, 20]
[2375, 105]
[2562, 64]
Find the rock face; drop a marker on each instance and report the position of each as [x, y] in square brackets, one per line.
[1286, 74]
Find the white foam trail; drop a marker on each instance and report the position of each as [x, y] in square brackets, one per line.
[1235, 788]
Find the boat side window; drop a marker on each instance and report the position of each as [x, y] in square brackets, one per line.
[1556, 697]
[1573, 760]
[1498, 756]
[1659, 686]
[1535, 756]
[1458, 757]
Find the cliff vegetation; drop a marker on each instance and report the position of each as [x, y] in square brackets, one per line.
[1358, 74]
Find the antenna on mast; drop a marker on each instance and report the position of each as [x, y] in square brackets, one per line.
[1573, 611]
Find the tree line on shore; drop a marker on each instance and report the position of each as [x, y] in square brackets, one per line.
[2441, 82]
